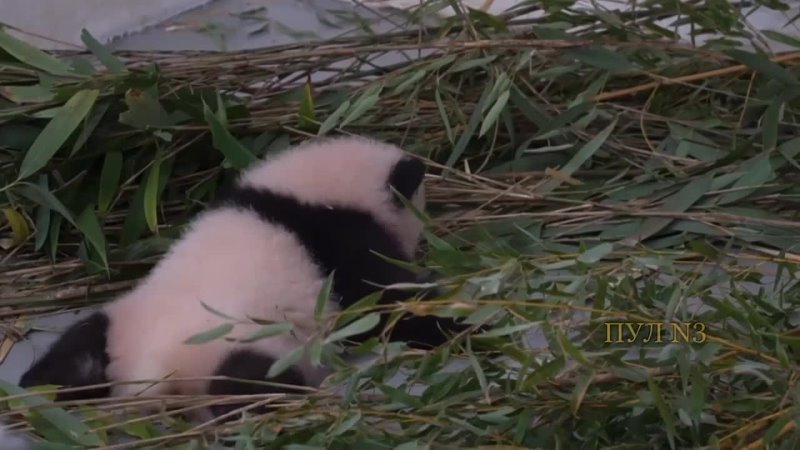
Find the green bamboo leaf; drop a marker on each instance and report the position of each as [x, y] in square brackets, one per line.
[324, 296]
[42, 196]
[463, 66]
[535, 114]
[210, 335]
[145, 111]
[443, 115]
[762, 64]
[472, 126]
[237, 154]
[772, 116]
[42, 217]
[315, 352]
[579, 392]
[363, 104]
[776, 429]
[19, 225]
[494, 112]
[103, 54]
[356, 309]
[151, 194]
[596, 253]
[570, 349]
[602, 58]
[69, 425]
[89, 125]
[332, 120]
[265, 331]
[288, 360]
[359, 326]
[679, 202]
[580, 157]
[27, 94]
[109, 180]
[57, 131]
[307, 113]
[90, 227]
[33, 57]
[476, 367]
[661, 405]
[754, 174]
[135, 222]
[216, 312]
[346, 423]
[782, 38]
[411, 81]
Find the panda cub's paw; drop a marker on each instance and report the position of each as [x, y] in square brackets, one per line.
[249, 365]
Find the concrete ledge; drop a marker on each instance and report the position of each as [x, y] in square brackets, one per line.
[63, 20]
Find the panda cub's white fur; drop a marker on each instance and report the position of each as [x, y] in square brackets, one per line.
[264, 251]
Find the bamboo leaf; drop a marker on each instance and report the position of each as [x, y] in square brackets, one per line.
[772, 117]
[151, 192]
[42, 217]
[41, 195]
[210, 335]
[602, 58]
[580, 157]
[324, 296]
[109, 180]
[596, 253]
[88, 225]
[579, 392]
[103, 54]
[762, 64]
[472, 126]
[237, 155]
[27, 94]
[754, 175]
[679, 202]
[494, 112]
[362, 105]
[308, 116]
[359, 326]
[663, 408]
[333, 119]
[33, 56]
[270, 330]
[288, 360]
[57, 131]
[19, 226]
[72, 427]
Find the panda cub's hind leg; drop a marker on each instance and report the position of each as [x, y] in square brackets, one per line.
[249, 365]
[77, 359]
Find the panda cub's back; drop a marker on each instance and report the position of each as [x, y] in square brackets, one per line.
[233, 261]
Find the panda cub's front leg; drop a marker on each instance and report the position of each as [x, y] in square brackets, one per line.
[246, 364]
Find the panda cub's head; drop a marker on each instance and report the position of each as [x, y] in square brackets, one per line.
[350, 173]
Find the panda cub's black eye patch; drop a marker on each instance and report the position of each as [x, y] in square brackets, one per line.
[406, 177]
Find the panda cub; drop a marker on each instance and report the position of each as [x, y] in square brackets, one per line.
[264, 250]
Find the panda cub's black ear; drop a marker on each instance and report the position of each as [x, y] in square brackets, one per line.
[406, 177]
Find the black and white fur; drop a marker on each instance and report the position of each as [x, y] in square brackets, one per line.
[263, 251]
